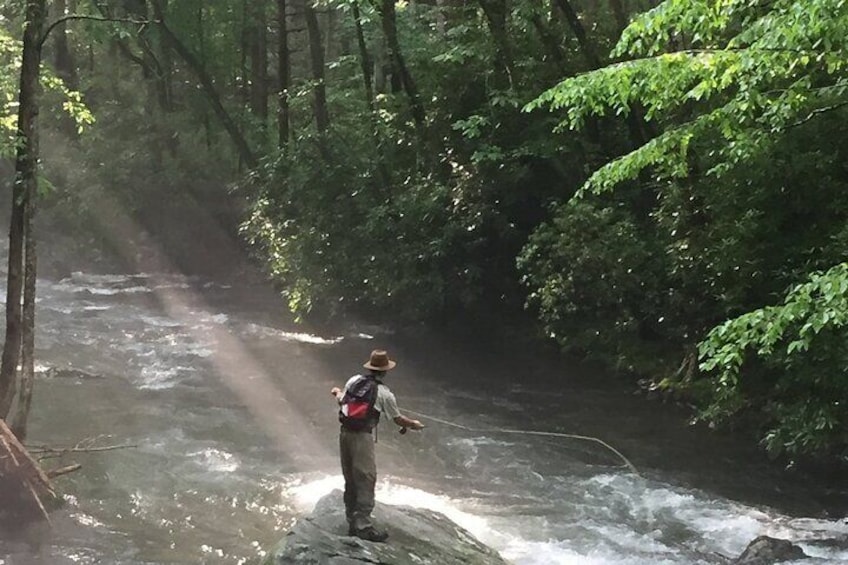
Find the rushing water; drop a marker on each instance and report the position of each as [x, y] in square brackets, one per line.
[229, 434]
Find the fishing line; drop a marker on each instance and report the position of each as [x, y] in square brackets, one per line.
[527, 433]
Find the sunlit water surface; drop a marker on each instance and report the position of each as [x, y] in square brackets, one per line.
[226, 435]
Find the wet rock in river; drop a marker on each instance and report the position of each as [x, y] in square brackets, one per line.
[765, 550]
[416, 536]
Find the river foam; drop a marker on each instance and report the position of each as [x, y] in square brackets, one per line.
[649, 524]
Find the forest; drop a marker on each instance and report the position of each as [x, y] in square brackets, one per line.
[661, 187]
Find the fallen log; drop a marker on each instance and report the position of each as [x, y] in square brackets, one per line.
[53, 473]
[25, 489]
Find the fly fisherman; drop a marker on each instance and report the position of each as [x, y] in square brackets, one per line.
[364, 399]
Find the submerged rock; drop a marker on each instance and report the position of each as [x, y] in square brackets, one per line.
[765, 550]
[416, 537]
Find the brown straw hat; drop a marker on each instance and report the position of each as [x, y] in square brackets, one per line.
[379, 361]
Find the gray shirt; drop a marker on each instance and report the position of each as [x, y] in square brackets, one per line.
[386, 403]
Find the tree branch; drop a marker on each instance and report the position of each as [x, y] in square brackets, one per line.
[49, 452]
[70, 17]
[815, 113]
[717, 51]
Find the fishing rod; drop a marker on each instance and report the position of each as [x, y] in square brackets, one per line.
[524, 432]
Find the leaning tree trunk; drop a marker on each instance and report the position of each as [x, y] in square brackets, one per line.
[25, 490]
[25, 188]
[238, 139]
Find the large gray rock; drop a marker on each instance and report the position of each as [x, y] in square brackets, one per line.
[416, 537]
[766, 551]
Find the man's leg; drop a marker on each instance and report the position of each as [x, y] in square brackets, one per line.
[365, 479]
[350, 497]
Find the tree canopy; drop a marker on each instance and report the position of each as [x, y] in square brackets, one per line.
[661, 186]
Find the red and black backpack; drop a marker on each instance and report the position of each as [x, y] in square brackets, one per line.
[356, 409]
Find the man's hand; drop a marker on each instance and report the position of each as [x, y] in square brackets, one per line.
[405, 422]
[335, 391]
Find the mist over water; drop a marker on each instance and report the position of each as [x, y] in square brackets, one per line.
[223, 403]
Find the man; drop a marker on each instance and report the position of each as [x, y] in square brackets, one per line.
[364, 399]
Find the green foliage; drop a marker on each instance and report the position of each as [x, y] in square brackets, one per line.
[747, 75]
[337, 239]
[738, 194]
[9, 76]
[591, 272]
[59, 97]
[386, 221]
[800, 370]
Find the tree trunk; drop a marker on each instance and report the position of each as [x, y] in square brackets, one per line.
[639, 130]
[620, 15]
[579, 31]
[22, 406]
[257, 50]
[25, 187]
[496, 16]
[63, 58]
[550, 41]
[329, 33]
[364, 58]
[166, 78]
[316, 58]
[201, 38]
[388, 20]
[441, 20]
[366, 64]
[208, 85]
[381, 68]
[157, 55]
[284, 70]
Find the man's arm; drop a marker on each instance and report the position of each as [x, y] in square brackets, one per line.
[405, 422]
[387, 404]
[337, 393]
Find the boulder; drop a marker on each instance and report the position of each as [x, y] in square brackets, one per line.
[765, 550]
[416, 537]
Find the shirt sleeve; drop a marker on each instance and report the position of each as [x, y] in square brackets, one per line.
[386, 403]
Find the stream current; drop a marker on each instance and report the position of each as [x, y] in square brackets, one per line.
[231, 435]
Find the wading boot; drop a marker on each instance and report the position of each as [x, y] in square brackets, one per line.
[372, 534]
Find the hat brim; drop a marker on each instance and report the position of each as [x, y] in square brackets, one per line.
[388, 367]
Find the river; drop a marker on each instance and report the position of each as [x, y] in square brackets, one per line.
[222, 403]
